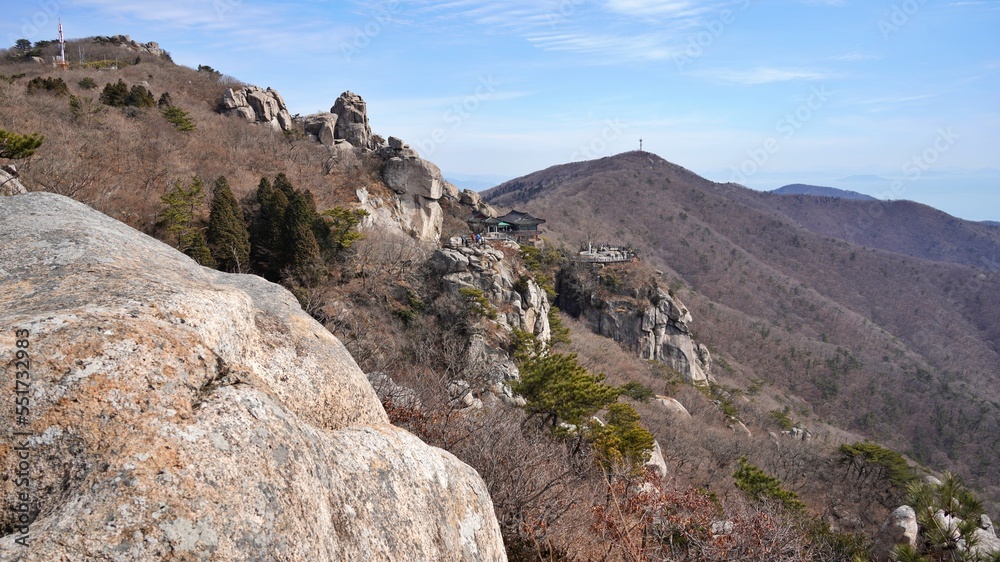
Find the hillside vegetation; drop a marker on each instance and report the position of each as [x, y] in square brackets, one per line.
[817, 341]
[898, 347]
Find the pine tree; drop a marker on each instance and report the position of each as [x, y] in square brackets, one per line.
[14, 146]
[558, 388]
[228, 236]
[178, 118]
[621, 440]
[183, 203]
[195, 246]
[267, 233]
[342, 230]
[115, 95]
[760, 486]
[139, 96]
[305, 261]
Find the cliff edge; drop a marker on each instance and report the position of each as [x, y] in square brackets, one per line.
[178, 412]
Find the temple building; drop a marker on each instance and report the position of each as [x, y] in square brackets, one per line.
[515, 225]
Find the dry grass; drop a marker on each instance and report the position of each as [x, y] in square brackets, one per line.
[900, 349]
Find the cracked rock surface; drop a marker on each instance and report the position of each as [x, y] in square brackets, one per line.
[182, 413]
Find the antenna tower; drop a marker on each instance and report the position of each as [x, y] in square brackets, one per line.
[61, 62]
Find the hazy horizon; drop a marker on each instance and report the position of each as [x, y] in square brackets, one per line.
[760, 92]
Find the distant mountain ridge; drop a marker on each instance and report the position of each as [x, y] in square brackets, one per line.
[886, 329]
[821, 191]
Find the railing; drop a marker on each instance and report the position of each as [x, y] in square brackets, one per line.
[605, 255]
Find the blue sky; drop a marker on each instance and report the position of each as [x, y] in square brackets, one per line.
[895, 98]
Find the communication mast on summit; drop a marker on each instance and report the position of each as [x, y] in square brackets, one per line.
[61, 61]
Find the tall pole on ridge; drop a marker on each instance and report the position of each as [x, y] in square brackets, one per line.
[62, 48]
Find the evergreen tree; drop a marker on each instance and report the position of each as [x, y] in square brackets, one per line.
[178, 117]
[15, 146]
[228, 236]
[195, 246]
[179, 217]
[558, 388]
[621, 440]
[139, 96]
[267, 232]
[22, 46]
[760, 486]
[342, 230]
[305, 261]
[948, 514]
[115, 95]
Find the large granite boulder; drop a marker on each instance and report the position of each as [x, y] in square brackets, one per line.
[322, 125]
[656, 326]
[8, 182]
[176, 412]
[257, 106]
[899, 528]
[352, 121]
[415, 176]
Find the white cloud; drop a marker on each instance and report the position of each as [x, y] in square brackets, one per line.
[680, 8]
[855, 56]
[606, 48]
[761, 75]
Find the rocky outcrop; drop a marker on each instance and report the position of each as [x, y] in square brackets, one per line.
[321, 126]
[656, 462]
[257, 106]
[673, 406]
[472, 199]
[417, 185]
[414, 176]
[8, 182]
[521, 304]
[178, 412]
[900, 528]
[352, 121]
[152, 47]
[654, 324]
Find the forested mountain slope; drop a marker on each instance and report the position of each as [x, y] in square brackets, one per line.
[901, 348]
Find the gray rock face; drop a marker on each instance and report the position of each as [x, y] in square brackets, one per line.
[656, 462]
[673, 406]
[419, 185]
[9, 184]
[352, 121]
[656, 331]
[257, 106]
[415, 176]
[900, 528]
[524, 307]
[472, 199]
[180, 412]
[323, 126]
[484, 268]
